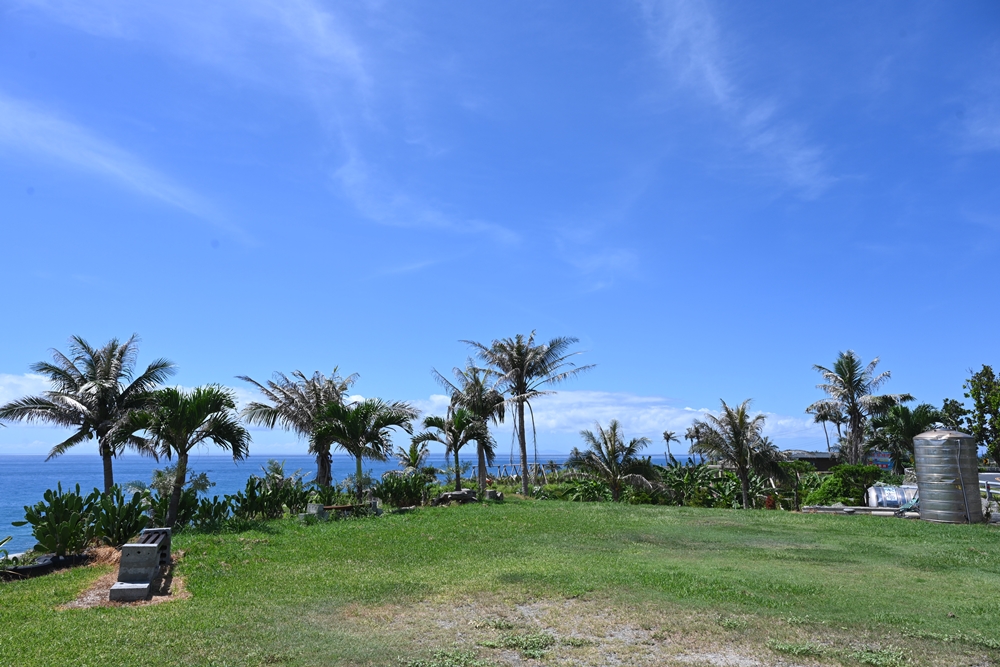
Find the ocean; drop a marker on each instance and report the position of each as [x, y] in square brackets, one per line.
[24, 479]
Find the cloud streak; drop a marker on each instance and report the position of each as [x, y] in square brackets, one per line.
[686, 40]
[34, 131]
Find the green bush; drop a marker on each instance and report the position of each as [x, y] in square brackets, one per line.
[186, 508]
[117, 520]
[62, 523]
[846, 484]
[212, 515]
[402, 490]
[588, 490]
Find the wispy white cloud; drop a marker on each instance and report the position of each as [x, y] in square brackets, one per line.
[40, 133]
[686, 39]
[569, 412]
[281, 43]
[385, 205]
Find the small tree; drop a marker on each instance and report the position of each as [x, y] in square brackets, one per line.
[894, 431]
[454, 431]
[182, 420]
[364, 429]
[735, 437]
[612, 460]
[984, 420]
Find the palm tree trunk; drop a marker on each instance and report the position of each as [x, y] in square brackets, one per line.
[745, 484]
[458, 473]
[482, 470]
[323, 474]
[357, 478]
[175, 492]
[109, 475]
[523, 442]
[827, 436]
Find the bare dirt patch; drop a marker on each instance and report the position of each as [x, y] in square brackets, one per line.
[165, 588]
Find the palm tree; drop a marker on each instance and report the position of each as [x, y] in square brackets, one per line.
[894, 431]
[617, 463]
[523, 368]
[827, 412]
[413, 459]
[457, 429]
[668, 437]
[95, 392]
[735, 437]
[851, 388]
[295, 404]
[181, 420]
[363, 429]
[472, 391]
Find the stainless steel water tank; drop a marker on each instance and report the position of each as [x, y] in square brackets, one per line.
[948, 477]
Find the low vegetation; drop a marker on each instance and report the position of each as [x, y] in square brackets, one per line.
[531, 582]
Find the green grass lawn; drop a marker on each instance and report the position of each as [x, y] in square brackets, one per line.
[543, 583]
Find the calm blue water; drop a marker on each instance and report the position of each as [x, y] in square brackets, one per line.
[23, 479]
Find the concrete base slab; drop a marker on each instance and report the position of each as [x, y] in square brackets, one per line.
[123, 592]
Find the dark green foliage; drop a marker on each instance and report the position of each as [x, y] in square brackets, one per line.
[257, 501]
[984, 420]
[954, 414]
[187, 505]
[63, 523]
[403, 490]
[118, 519]
[329, 495]
[846, 484]
[587, 490]
[212, 515]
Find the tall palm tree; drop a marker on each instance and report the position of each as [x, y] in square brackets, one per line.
[95, 392]
[363, 429]
[473, 391]
[735, 437]
[614, 461]
[181, 420]
[894, 431]
[454, 431]
[852, 386]
[523, 368]
[668, 437]
[828, 412]
[295, 404]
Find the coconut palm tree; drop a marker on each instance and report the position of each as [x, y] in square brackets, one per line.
[894, 431]
[473, 391]
[617, 463]
[851, 387]
[295, 404]
[181, 420]
[363, 429]
[668, 437]
[95, 392]
[454, 431]
[523, 367]
[735, 437]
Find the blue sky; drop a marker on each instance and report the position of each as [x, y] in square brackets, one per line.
[712, 197]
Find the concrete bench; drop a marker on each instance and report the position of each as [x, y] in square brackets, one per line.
[141, 563]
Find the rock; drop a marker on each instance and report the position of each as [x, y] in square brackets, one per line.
[462, 497]
[492, 494]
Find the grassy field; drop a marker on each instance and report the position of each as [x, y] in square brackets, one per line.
[542, 582]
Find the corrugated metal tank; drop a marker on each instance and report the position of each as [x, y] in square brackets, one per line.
[948, 477]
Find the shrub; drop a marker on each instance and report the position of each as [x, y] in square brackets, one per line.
[212, 515]
[117, 520]
[186, 508]
[588, 490]
[63, 523]
[402, 490]
[845, 484]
